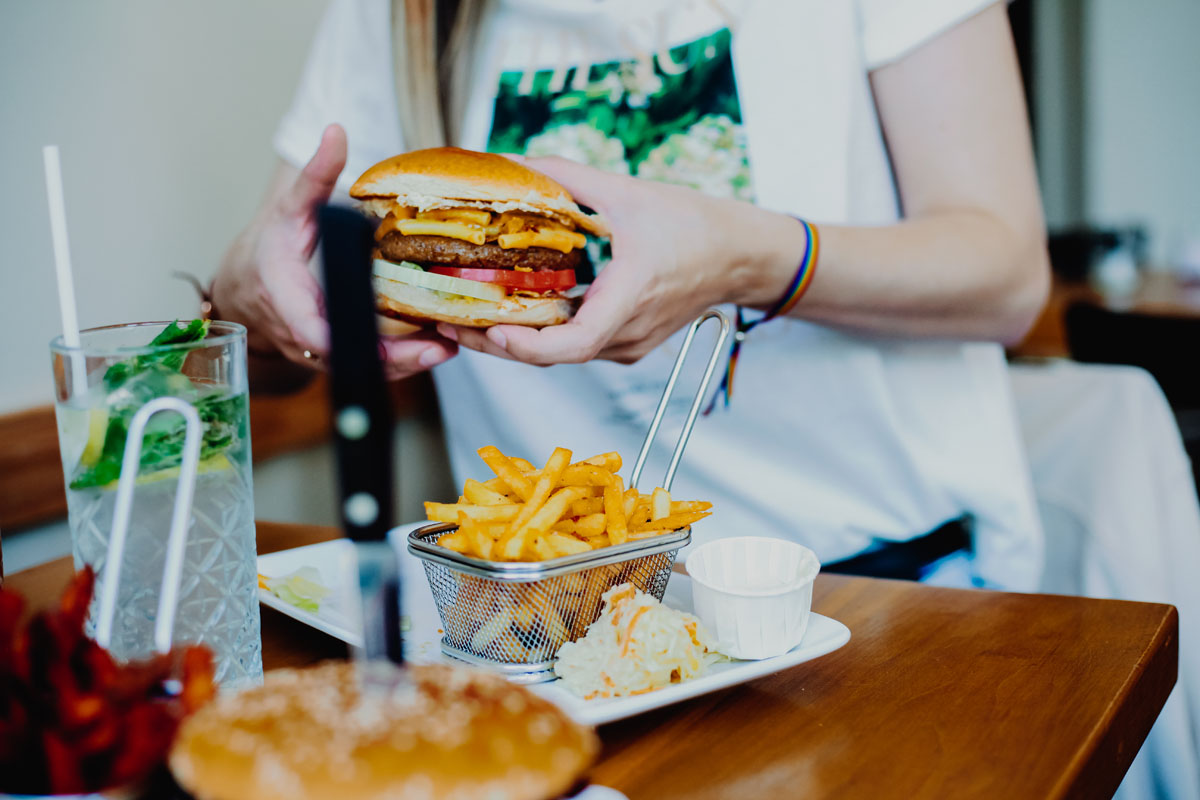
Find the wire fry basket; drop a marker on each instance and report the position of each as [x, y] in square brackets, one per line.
[513, 616]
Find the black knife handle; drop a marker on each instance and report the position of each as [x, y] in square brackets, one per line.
[362, 412]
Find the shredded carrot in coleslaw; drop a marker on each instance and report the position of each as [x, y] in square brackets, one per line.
[629, 631]
[636, 646]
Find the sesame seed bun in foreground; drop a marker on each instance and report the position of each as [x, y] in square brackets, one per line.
[473, 239]
[313, 734]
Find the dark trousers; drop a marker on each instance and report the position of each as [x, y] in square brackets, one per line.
[907, 560]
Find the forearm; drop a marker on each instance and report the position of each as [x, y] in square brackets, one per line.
[969, 260]
[960, 274]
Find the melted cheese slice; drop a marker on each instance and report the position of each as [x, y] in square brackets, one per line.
[477, 217]
[563, 241]
[511, 230]
[474, 234]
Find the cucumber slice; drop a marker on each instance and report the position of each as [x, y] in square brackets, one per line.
[438, 283]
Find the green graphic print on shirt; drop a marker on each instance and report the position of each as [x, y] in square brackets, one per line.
[675, 119]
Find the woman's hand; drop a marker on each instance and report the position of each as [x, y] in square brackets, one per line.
[265, 284]
[671, 260]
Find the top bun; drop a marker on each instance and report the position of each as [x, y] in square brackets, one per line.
[445, 177]
[318, 734]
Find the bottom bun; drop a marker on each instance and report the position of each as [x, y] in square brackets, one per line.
[315, 733]
[387, 326]
[424, 306]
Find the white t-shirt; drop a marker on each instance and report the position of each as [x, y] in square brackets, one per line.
[832, 439]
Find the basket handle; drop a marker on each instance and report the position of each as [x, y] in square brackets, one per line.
[694, 411]
[164, 623]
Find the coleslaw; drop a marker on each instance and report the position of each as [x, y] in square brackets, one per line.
[637, 645]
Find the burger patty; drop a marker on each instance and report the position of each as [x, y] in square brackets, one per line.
[445, 251]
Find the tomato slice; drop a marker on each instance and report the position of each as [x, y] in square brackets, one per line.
[559, 279]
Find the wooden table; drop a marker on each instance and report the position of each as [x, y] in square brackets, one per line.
[939, 693]
[1159, 293]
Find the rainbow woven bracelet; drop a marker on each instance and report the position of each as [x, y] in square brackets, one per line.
[796, 289]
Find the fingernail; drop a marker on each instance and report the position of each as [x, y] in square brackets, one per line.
[448, 332]
[498, 338]
[431, 357]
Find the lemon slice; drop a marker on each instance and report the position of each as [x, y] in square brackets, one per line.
[97, 427]
[214, 463]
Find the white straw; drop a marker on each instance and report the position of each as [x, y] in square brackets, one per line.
[62, 266]
[168, 598]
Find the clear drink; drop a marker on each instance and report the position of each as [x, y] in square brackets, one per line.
[218, 602]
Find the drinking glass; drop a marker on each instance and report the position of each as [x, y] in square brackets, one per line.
[99, 386]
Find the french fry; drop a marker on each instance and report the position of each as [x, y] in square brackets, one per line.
[504, 468]
[513, 542]
[629, 502]
[492, 630]
[680, 506]
[637, 536]
[573, 584]
[493, 529]
[538, 549]
[480, 495]
[585, 475]
[554, 509]
[660, 504]
[673, 522]
[525, 616]
[448, 512]
[591, 525]
[498, 485]
[589, 505]
[614, 511]
[609, 461]
[526, 513]
[456, 541]
[551, 620]
[602, 540]
[583, 528]
[478, 542]
[640, 514]
[541, 490]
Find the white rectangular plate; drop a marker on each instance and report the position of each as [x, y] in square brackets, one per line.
[339, 617]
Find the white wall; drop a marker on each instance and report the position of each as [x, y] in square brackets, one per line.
[163, 112]
[1142, 118]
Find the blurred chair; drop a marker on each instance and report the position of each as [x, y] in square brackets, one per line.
[1165, 346]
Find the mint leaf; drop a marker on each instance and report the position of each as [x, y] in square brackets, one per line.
[134, 382]
[173, 334]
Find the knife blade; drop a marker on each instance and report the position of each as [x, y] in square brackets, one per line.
[362, 424]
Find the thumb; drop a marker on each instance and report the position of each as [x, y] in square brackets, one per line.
[588, 185]
[319, 176]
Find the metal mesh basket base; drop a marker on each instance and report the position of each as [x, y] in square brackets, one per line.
[513, 616]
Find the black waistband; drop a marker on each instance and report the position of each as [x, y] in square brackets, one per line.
[907, 560]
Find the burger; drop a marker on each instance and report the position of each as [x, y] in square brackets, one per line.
[473, 239]
[321, 733]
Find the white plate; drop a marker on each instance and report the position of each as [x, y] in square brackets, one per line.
[338, 616]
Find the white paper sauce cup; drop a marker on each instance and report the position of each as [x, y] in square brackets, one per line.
[753, 593]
